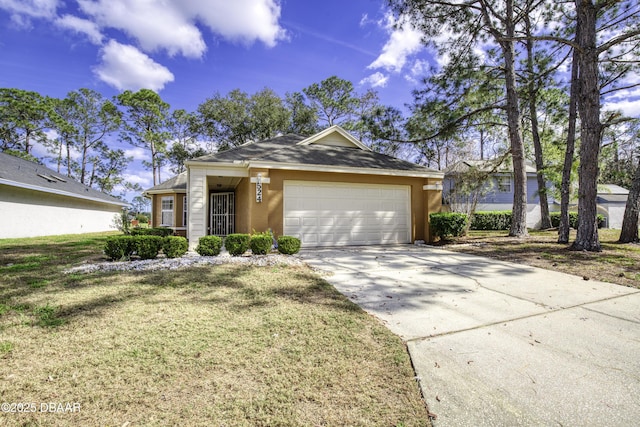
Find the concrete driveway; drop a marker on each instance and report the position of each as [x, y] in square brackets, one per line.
[500, 344]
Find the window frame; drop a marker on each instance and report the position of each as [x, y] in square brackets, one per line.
[185, 206]
[164, 210]
[504, 184]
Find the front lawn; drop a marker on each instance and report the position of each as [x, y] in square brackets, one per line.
[225, 345]
[617, 263]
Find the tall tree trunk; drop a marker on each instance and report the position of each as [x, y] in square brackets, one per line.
[590, 129]
[565, 187]
[69, 157]
[545, 219]
[519, 213]
[629, 233]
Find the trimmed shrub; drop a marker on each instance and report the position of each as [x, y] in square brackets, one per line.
[119, 247]
[492, 220]
[288, 245]
[260, 244]
[446, 224]
[209, 246]
[573, 219]
[237, 244]
[147, 247]
[174, 246]
[155, 231]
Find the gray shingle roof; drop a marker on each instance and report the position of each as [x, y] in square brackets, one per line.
[177, 183]
[22, 173]
[284, 149]
[483, 165]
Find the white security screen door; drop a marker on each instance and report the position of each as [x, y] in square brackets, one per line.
[222, 220]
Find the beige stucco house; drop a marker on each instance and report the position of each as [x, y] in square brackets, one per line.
[38, 201]
[328, 189]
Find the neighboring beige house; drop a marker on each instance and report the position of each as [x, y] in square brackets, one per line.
[328, 189]
[37, 201]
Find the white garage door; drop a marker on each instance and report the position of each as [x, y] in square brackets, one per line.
[336, 214]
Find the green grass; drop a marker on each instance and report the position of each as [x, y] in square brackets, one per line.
[617, 263]
[221, 345]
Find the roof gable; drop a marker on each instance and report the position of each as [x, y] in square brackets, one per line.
[334, 136]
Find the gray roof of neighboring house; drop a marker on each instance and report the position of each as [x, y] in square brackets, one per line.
[483, 165]
[612, 193]
[284, 149]
[21, 173]
[176, 184]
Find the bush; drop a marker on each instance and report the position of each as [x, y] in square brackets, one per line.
[288, 245]
[260, 244]
[446, 224]
[237, 244]
[209, 246]
[142, 218]
[174, 246]
[573, 219]
[155, 231]
[493, 220]
[119, 247]
[147, 247]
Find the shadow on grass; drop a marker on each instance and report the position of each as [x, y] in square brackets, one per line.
[317, 292]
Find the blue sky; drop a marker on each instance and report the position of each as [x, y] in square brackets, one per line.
[187, 50]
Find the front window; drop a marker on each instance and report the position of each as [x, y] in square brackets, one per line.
[167, 212]
[504, 184]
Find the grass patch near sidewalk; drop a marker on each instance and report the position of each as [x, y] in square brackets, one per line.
[617, 263]
[232, 345]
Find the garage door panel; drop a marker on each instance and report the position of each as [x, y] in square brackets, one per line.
[327, 214]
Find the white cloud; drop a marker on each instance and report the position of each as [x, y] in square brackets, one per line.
[154, 24]
[125, 67]
[417, 71]
[170, 25]
[403, 42]
[137, 153]
[22, 11]
[31, 8]
[630, 108]
[145, 179]
[82, 26]
[242, 20]
[376, 80]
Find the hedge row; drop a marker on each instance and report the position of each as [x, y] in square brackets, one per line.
[155, 231]
[145, 246]
[448, 224]
[573, 219]
[149, 246]
[491, 220]
[237, 244]
[452, 224]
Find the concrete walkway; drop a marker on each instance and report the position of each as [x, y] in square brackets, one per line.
[500, 344]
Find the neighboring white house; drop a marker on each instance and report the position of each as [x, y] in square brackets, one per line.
[37, 201]
[612, 201]
[611, 198]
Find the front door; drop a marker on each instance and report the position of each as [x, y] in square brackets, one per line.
[222, 214]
